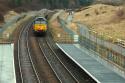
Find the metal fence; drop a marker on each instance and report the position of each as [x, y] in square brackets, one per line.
[107, 50]
[111, 52]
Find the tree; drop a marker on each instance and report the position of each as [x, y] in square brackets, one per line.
[85, 2]
[18, 2]
[66, 3]
[26, 1]
[1, 18]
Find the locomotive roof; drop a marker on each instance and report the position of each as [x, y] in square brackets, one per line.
[40, 18]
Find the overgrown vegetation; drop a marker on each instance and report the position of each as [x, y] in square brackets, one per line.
[106, 20]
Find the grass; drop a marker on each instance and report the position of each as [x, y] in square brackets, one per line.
[106, 19]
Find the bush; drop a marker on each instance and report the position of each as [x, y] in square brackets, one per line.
[87, 15]
[1, 18]
[96, 12]
[120, 13]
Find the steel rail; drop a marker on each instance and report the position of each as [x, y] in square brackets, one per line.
[29, 54]
[20, 69]
[58, 60]
[61, 62]
[19, 60]
[49, 63]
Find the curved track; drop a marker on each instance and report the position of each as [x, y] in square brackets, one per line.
[33, 66]
[40, 63]
[27, 70]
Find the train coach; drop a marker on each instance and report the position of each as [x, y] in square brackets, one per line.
[40, 25]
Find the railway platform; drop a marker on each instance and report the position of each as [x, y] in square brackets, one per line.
[93, 67]
[7, 68]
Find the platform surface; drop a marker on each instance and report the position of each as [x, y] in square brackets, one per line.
[7, 69]
[99, 72]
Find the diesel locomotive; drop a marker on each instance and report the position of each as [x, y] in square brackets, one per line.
[40, 25]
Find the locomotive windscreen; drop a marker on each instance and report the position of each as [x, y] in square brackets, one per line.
[40, 20]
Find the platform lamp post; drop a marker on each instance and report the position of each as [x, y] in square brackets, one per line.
[89, 34]
[100, 38]
[86, 41]
[95, 38]
[110, 40]
[119, 40]
[89, 39]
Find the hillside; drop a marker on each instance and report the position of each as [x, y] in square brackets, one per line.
[26, 5]
[104, 19]
[23, 5]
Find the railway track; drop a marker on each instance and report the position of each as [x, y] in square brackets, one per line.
[27, 69]
[33, 67]
[63, 74]
[75, 70]
[39, 63]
